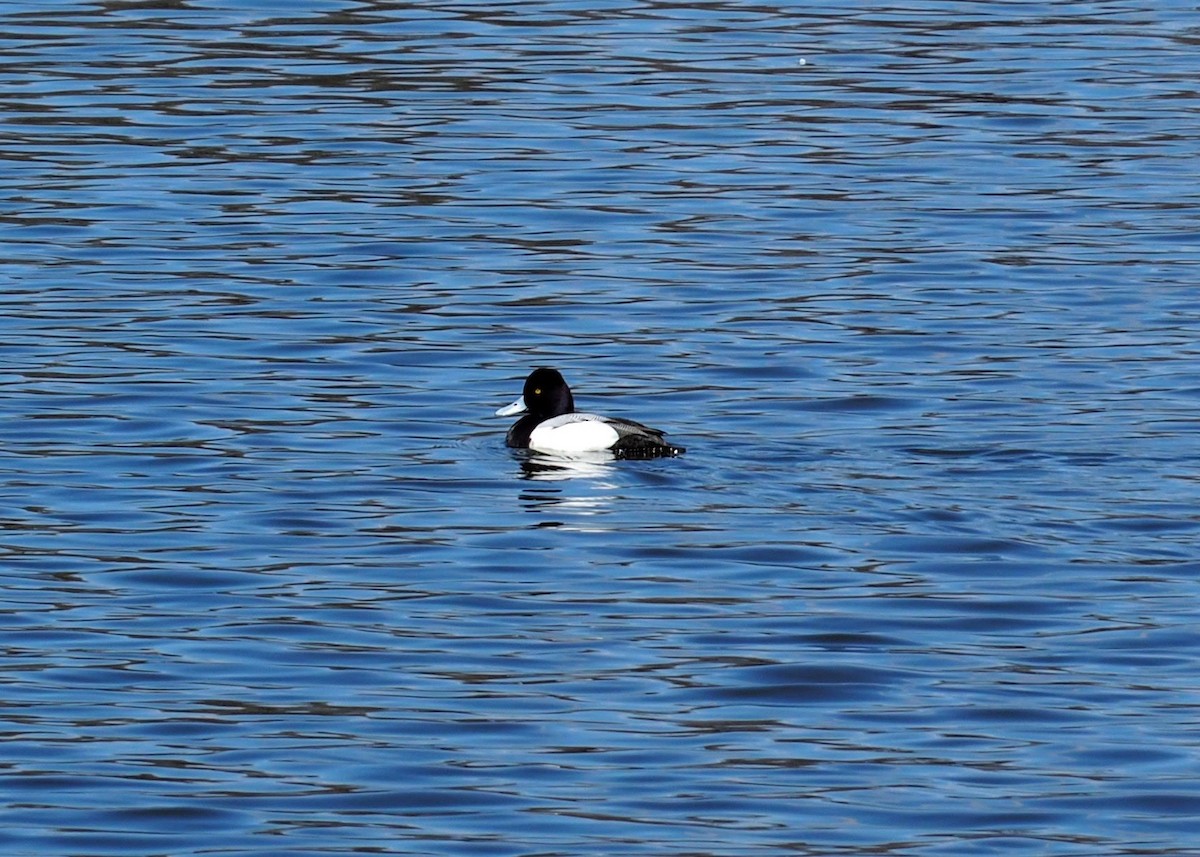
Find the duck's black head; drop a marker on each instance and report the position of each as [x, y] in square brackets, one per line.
[547, 395]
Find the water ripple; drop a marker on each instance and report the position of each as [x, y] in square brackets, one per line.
[914, 285]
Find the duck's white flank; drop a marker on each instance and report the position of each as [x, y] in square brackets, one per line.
[573, 433]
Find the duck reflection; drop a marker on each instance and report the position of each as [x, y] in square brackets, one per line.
[590, 491]
[553, 468]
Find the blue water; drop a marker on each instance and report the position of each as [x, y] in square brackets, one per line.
[915, 285]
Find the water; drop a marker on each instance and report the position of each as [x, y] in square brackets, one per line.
[915, 285]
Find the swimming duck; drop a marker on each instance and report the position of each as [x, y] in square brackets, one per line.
[553, 425]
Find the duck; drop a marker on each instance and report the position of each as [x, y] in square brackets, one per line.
[552, 425]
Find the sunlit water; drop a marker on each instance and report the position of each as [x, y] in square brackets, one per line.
[916, 286]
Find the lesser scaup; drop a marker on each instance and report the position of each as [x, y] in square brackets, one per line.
[553, 425]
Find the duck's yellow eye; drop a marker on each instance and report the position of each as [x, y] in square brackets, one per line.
[537, 391]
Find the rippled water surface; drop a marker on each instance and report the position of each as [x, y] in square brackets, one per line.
[916, 285]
